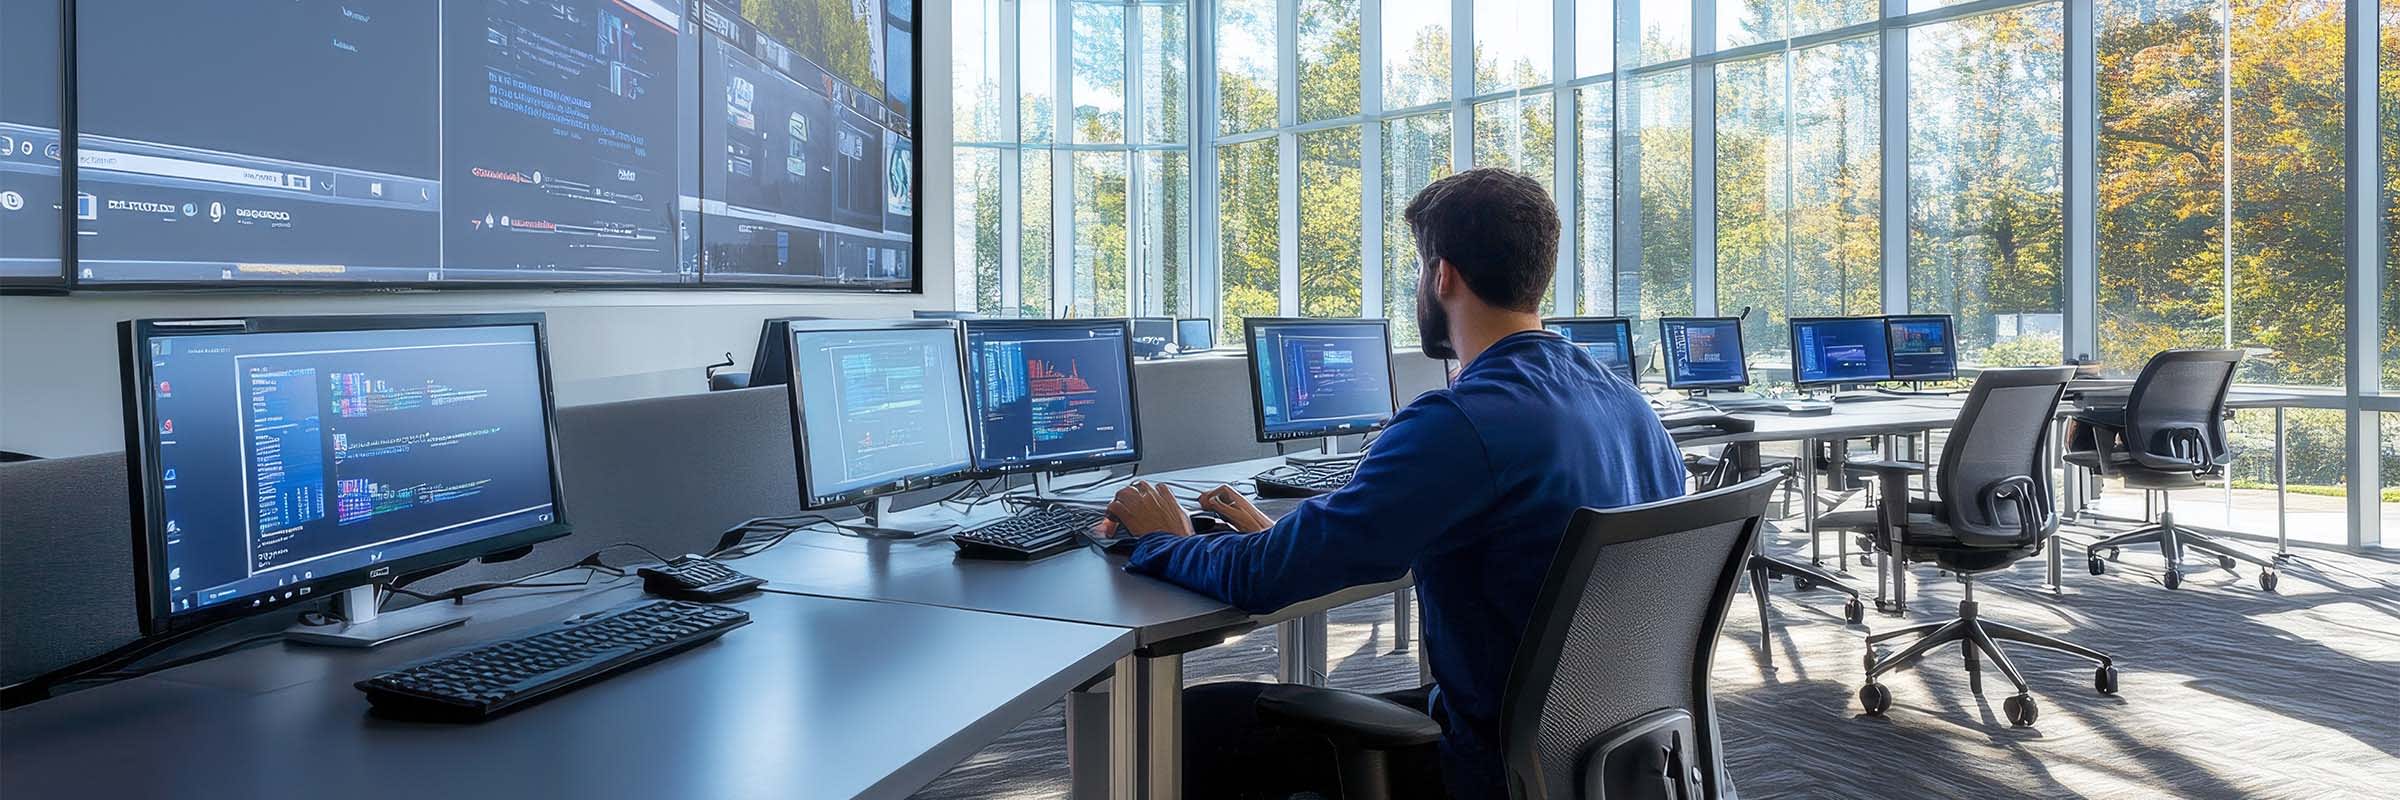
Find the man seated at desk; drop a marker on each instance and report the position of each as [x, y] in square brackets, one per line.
[1471, 487]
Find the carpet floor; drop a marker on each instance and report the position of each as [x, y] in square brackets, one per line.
[2227, 691]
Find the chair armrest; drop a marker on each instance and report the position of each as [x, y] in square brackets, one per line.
[1880, 466]
[1359, 720]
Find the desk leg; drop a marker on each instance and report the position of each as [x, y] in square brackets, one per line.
[1300, 650]
[2283, 541]
[1145, 728]
[2051, 451]
[1090, 737]
[1808, 500]
[1402, 626]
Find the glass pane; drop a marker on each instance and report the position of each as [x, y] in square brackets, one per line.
[1166, 238]
[1037, 72]
[2316, 481]
[1812, 16]
[2390, 87]
[1099, 53]
[1596, 200]
[1329, 214]
[1245, 65]
[975, 73]
[2390, 434]
[1984, 197]
[1595, 38]
[1517, 133]
[1033, 241]
[2161, 186]
[1416, 152]
[976, 231]
[1512, 44]
[1666, 31]
[1100, 261]
[1329, 58]
[1662, 142]
[1250, 217]
[1837, 179]
[1746, 22]
[1166, 74]
[2290, 273]
[1416, 52]
[1752, 199]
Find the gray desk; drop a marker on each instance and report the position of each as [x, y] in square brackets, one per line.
[817, 697]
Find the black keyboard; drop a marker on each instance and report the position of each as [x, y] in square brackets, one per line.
[1305, 480]
[1036, 533]
[494, 678]
[697, 579]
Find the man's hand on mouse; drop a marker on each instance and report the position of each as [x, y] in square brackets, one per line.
[1145, 508]
[1224, 502]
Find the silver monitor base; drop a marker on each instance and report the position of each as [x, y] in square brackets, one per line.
[367, 627]
[879, 524]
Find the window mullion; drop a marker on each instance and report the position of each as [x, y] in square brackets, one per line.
[1370, 159]
[1895, 162]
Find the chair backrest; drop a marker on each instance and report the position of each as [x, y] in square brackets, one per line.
[2175, 416]
[1994, 482]
[1610, 685]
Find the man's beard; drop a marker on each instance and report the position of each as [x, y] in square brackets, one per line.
[1433, 323]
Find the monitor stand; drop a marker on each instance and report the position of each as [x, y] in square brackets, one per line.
[879, 524]
[1329, 449]
[367, 626]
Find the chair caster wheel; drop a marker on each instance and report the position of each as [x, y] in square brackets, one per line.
[2104, 679]
[2173, 578]
[1875, 698]
[1887, 606]
[2225, 562]
[2266, 580]
[1874, 654]
[1800, 584]
[2097, 566]
[1854, 611]
[2020, 710]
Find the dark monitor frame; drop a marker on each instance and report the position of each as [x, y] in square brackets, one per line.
[1667, 358]
[939, 313]
[1133, 404]
[1633, 365]
[149, 531]
[799, 417]
[1792, 329]
[1258, 402]
[1949, 324]
[771, 363]
[1212, 334]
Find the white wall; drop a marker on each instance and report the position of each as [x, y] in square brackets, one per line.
[58, 364]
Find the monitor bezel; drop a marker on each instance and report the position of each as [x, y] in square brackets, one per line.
[149, 537]
[799, 414]
[1133, 419]
[1258, 402]
[1212, 334]
[1667, 360]
[774, 345]
[1633, 370]
[1792, 328]
[1949, 327]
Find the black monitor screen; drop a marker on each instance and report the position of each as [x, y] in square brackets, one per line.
[30, 79]
[1050, 395]
[281, 459]
[1314, 378]
[881, 408]
[1153, 336]
[1839, 350]
[1195, 334]
[1607, 340]
[1921, 348]
[1704, 352]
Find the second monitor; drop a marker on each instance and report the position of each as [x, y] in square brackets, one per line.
[1312, 378]
[1049, 396]
[1608, 339]
[1703, 352]
[1839, 350]
[878, 408]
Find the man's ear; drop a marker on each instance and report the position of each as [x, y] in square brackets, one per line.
[1445, 278]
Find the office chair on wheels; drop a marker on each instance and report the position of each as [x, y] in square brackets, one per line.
[1710, 471]
[2170, 435]
[1993, 509]
[1608, 695]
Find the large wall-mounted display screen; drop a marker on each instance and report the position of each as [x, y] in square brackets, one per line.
[30, 83]
[495, 142]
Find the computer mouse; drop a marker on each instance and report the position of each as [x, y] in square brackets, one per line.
[1209, 522]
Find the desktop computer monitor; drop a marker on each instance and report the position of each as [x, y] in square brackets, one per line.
[1921, 347]
[1154, 337]
[1703, 352]
[1609, 340]
[927, 313]
[1195, 334]
[771, 364]
[1051, 395]
[1837, 350]
[878, 408]
[1313, 378]
[284, 459]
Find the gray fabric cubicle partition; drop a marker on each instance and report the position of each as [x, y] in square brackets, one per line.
[66, 563]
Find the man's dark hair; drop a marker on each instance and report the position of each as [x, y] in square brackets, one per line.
[1499, 228]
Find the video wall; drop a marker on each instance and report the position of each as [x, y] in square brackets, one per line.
[462, 143]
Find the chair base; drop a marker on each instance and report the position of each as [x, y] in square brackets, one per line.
[1977, 638]
[2172, 541]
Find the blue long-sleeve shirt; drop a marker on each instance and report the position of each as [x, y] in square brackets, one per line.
[1471, 487]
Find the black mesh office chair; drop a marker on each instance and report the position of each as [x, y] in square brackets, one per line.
[2170, 435]
[1993, 508]
[1608, 695]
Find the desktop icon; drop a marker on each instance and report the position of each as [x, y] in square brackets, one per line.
[173, 527]
[166, 389]
[170, 475]
[375, 188]
[11, 201]
[191, 209]
[166, 426]
[86, 206]
[216, 212]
